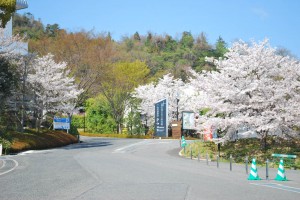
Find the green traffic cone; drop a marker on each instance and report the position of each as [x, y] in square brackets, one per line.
[253, 173]
[281, 172]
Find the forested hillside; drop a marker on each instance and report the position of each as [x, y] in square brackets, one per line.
[86, 49]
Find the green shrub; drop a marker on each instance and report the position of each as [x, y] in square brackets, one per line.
[78, 121]
[6, 144]
[98, 116]
[73, 130]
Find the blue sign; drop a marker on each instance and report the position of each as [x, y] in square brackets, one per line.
[61, 123]
[161, 118]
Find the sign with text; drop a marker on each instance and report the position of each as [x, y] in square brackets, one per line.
[61, 123]
[161, 118]
[188, 120]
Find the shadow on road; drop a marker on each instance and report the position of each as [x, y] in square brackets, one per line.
[174, 152]
[84, 145]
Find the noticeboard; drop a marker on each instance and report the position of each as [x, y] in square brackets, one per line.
[161, 118]
[61, 123]
[188, 120]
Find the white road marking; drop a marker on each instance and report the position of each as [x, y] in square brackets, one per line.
[278, 186]
[34, 151]
[16, 165]
[145, 142]
[123, 149]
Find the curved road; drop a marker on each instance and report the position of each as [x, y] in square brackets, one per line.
[102, 168]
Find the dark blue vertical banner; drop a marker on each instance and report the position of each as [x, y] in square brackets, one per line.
[161, 118]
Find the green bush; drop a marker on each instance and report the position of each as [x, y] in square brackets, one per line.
[6, 144]
[98, 116]
[73, 130]
[78, 121]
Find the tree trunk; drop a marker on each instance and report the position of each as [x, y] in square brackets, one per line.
[119, 128]
[37, 125]
[263, 141]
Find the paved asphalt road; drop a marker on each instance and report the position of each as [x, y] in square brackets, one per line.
[121, 169]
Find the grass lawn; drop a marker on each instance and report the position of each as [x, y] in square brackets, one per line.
[248, 147]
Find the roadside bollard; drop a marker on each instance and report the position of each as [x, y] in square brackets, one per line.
[191, 152]
[230, 162]
[207, 158]
[267, 169]
[198, 155]
[246, 164]
[218, 161]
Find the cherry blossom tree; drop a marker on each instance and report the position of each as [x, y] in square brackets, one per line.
[167, 87]
[54, 89]
[253, 86]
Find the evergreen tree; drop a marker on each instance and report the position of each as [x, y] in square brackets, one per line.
[221, 47]
[136, 36]
[187, 40]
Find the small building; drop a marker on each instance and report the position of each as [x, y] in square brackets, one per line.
[22, 47]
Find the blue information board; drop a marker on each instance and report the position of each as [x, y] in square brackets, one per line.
[61, 123]
[161, 118]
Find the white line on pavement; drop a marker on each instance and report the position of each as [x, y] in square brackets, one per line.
[34, 151]
[145, 142]
[123, 149]
[16, 165]
[278, 186]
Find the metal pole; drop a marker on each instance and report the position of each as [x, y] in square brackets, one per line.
[267, 169]
[230, 162]
[198, 155]
[84, 122]
[246, 164]
[191, 152]
[217, 161]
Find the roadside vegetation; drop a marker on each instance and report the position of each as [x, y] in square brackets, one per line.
[247, 147]
[31, 140]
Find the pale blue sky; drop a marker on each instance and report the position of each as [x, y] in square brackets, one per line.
[278, 20]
